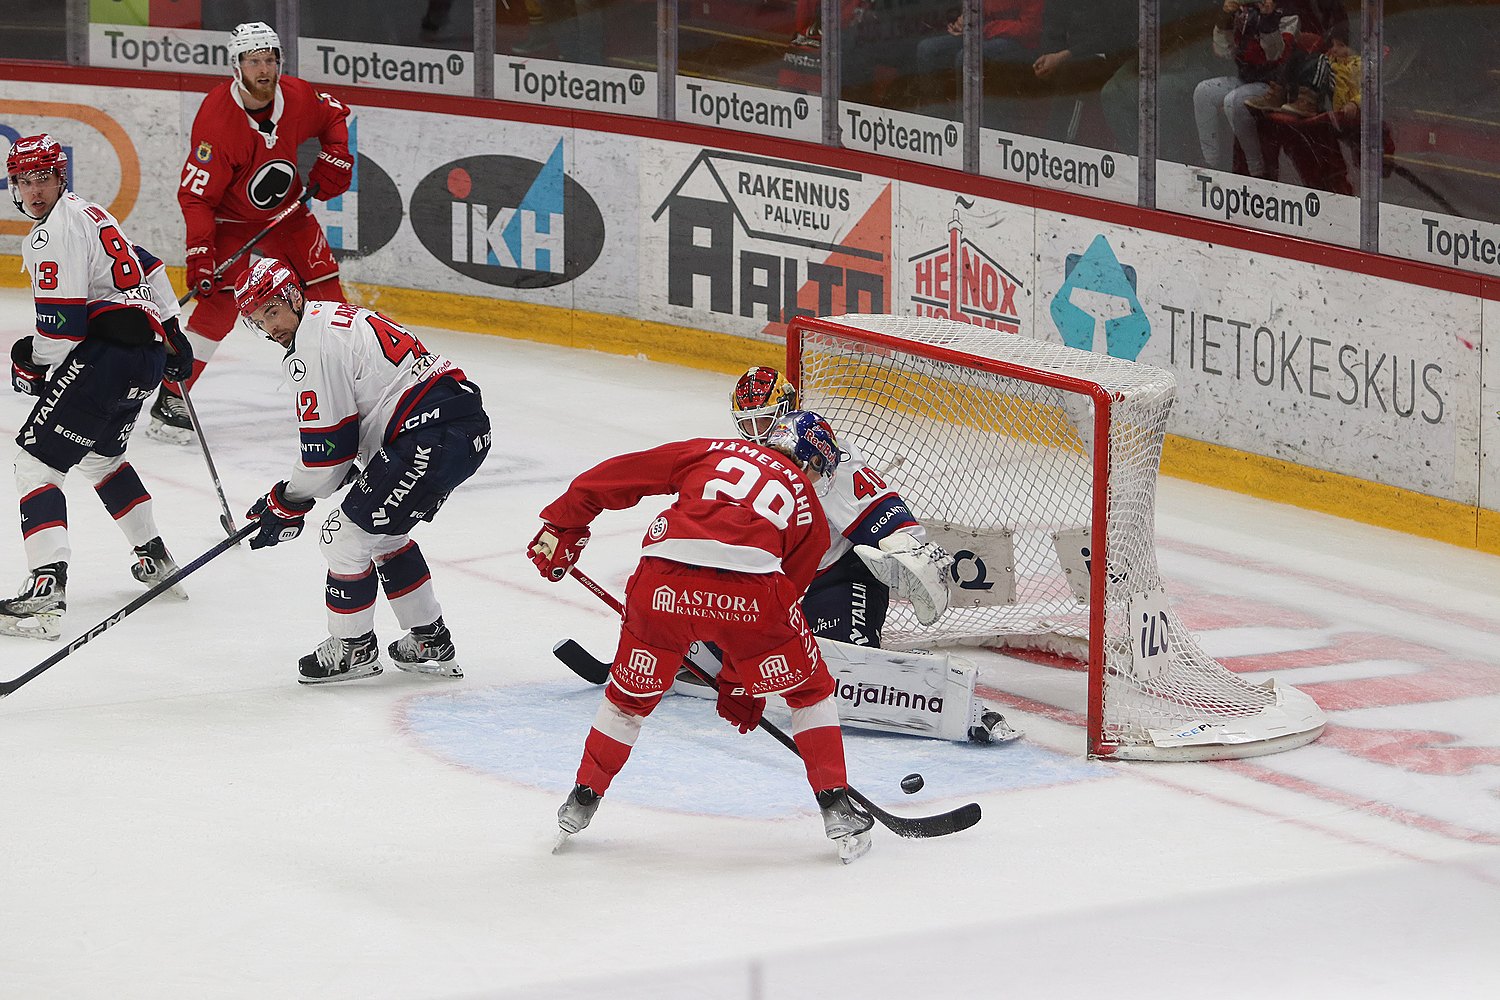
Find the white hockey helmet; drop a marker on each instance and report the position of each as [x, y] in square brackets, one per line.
[252, 36]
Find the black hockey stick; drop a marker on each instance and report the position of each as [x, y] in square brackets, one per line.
[7, 687]
[226, 519]
[596, 671]
[276, 220]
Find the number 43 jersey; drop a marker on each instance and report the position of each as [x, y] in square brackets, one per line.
[357, 379]
[81, 267]
[740, 506]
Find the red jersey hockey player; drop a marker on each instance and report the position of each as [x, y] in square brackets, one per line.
[241, 170]
[727, 562]
[93, 359]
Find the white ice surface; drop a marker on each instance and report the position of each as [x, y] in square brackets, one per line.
[181, 819]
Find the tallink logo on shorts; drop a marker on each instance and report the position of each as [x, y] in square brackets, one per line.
[1098, 292]
[508, 221]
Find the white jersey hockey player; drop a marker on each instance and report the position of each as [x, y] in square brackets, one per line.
[877, 546]
[96, 354]
[366, 390]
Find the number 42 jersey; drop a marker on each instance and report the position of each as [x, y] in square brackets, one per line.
[357, 378]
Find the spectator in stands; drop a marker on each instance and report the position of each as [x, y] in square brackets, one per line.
[1258, 37]
[1312, 82]
[1012, 30]
[1082, 45]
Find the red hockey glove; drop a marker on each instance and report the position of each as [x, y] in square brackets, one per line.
[331, 174]
[26, 376]
[200, 270]
[555, 549]
[739, 709]
[281, 519]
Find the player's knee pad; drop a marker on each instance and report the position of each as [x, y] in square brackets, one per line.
[97, 468]
[641, 670]
[32, 473]
[347, 548]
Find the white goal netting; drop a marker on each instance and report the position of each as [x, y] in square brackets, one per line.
[1010, 450]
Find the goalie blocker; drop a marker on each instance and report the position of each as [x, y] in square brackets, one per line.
[909, 693]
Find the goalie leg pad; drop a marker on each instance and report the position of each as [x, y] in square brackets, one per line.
[912, 693]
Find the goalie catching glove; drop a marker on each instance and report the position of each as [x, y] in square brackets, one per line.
[554, 550]
[281, 519]
[915, 570]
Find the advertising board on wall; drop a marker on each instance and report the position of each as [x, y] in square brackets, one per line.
[574, 85]
[775, 113]
[1257, 204]
[1060, 166]
[1274, 357]
[744, 244]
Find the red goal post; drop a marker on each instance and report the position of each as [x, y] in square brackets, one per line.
[1036, 465]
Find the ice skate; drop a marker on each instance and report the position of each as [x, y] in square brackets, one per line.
[36, 613]
[575, 813]
[153, 564]
[992, 728]
[169, 419]
[845, 823]
[427, 649]
[341, 660]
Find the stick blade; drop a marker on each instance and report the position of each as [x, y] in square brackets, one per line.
[581, 662]
[923, 827]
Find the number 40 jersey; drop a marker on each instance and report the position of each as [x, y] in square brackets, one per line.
[357, 380]
[81, 267]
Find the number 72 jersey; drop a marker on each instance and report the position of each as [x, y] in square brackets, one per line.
[355, 376]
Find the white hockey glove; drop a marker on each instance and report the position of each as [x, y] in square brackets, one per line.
[915, 570]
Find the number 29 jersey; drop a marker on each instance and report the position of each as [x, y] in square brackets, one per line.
[81, 267]
[740, 506]
[355, 377]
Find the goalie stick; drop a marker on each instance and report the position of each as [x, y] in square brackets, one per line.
[595, 671]
[8, 687]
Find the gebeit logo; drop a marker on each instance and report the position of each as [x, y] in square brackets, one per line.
[959, 281]
[750, 236]
[1098, 289]
[364, 218]
[508, 221]
[664, 599]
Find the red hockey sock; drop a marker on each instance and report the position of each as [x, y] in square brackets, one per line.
[823, 754]
[602, 759]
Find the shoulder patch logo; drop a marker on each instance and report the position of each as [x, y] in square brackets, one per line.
[204, 153]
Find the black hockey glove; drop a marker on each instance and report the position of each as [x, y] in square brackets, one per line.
[280, 519]
[26, 376]
[179, 353]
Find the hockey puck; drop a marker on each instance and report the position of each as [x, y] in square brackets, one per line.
[911, 784]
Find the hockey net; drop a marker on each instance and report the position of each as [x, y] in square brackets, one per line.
[1035, 464]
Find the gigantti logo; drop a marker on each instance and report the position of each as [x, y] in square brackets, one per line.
[509, 221]
[750, 236]
[958, 280]
[1098, 295]
[364, 218]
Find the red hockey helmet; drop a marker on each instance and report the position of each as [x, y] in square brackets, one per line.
[267, 279]
[36, 154]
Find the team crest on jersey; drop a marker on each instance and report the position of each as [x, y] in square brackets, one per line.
[39, 239]
[270, 183]
[204, 153]
[299, 370]
[658, 529]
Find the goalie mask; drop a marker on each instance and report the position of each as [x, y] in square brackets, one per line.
[759, 398]
[33, 157]
[805, 438]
